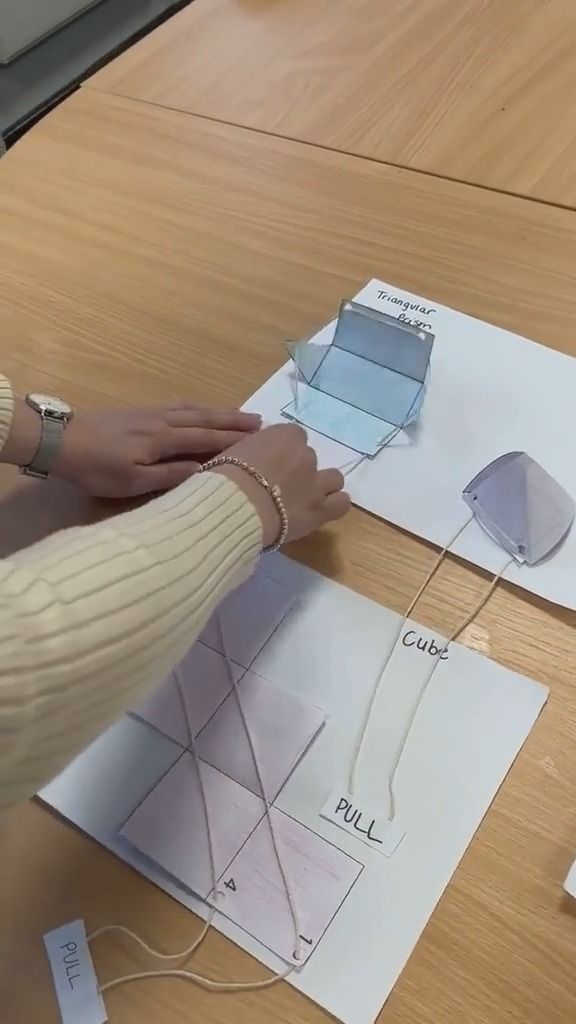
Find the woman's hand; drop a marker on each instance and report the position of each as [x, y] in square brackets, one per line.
[312, 497]
[120, 453]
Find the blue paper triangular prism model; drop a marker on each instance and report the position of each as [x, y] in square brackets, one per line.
[365, 386]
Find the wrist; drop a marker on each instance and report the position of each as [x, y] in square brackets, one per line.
[24, 436]
[259, 498]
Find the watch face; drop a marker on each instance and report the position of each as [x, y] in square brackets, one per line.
[48, 404]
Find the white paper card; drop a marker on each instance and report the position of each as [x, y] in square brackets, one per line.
[490, 392]
[363, 822]
[72, 969]
[327, 652]
[570, 883]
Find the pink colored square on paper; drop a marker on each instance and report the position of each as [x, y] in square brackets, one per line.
[249, 617]
[205, 684]
[251, 892]
[169, 826]
[281, 725]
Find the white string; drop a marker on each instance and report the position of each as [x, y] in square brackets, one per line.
[185, 953]
[434, 664]
[212, 984]
[352, 464]
[269, 819]
[390, 652]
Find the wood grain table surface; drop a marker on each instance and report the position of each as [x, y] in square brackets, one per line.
[147, 253]
[474, 90]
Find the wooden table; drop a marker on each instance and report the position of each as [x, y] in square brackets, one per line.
[475, 90]
[146, 253]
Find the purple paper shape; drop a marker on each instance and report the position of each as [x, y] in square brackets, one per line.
[169, 826]
[282, 727]
[521, 507]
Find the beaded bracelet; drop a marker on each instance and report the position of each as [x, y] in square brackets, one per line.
[273, 490]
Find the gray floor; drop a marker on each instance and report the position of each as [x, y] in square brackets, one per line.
[34, 81]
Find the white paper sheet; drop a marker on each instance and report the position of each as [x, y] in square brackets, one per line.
[73, 975]
[490, 392]
[570, 883]
[327, 652]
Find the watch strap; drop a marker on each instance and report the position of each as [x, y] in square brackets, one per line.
[52, 430]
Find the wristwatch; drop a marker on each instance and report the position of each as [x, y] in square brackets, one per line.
[55, 415]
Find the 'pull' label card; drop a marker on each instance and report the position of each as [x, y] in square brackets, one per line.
[75, 981]
[364, 823]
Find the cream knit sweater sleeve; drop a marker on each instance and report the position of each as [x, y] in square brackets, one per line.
[91, 619]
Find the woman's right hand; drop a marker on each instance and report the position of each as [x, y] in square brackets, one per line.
[282, 455]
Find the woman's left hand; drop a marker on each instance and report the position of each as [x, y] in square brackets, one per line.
[120, 453]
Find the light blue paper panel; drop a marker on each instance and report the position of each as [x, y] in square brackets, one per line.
[307, 358]
[416, 407]
[382, 339]
[367, 386]
[333, 418]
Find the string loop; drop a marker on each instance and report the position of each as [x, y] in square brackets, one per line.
[212, 984]
[352, 778]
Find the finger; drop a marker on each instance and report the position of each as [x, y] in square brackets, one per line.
[336, 506]
[214, 419]
[162, 476]
[195, 441]
[312, 457]
[287, 433]
[182, 405]
[330, 481]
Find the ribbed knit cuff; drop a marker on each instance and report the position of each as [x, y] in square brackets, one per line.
[6, 410]
[95, 617]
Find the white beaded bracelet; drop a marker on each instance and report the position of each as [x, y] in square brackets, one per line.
[272, 489]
